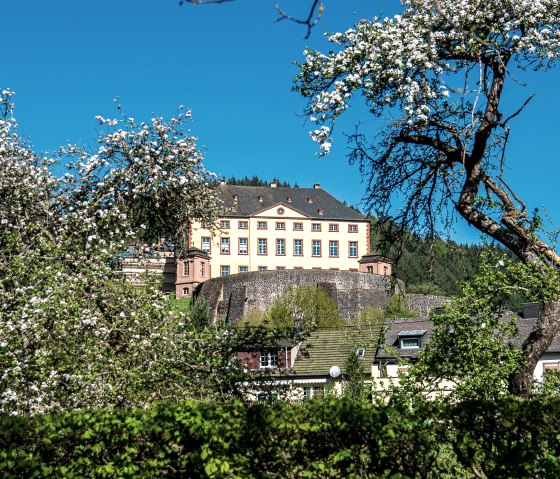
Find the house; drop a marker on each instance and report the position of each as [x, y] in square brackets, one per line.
[307, 369]
[279, 228]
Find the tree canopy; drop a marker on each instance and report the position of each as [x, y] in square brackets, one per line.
[74, 333]
[437, 72]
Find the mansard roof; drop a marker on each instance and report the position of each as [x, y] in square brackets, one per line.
[315, 203]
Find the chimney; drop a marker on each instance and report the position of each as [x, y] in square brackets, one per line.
[531, 310]
[317, 186]
[222, 182]
[273, 184]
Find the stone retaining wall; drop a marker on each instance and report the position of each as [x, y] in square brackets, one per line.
[233, 296]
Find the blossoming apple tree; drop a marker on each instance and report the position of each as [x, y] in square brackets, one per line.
[435, 76]
[73, 333]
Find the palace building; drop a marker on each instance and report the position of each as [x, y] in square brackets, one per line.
[277, 228]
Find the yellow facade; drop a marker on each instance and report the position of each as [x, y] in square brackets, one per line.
[281, 237]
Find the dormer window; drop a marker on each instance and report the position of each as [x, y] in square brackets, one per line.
[321, 211]
[261, 199]
[411, 339]
[269, 359]
[309, 199]
[289, 199]
[235, 198]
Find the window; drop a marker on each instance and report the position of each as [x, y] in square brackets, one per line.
[353, 249]
[202, 269]
[315, 226]
[243, 225]
[280, 225]
[352, 228]
[186, 268]
[280, 247]
[206, 224]
[298, 247]
[224, 271]
[224, 246]
[263, 268]
[243, 269]
[410, 343]
[224, 224]
[261, 225]
[298, 226]
[262, 246]
[185, 291]
[333, 227]
[280, 211]
[361, 353]
[269, 359]
[333, 249]
[310, 392]
[369, 269]
[205, 244]
[316, 248]
[243, 245]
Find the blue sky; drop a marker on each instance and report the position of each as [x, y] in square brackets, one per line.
[233, 66]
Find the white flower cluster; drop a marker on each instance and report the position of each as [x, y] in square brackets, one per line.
[405, 62]
[72, 333]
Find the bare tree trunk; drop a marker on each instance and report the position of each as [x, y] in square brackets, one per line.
[536, 344]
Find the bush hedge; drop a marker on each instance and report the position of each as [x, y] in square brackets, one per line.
[319, 439]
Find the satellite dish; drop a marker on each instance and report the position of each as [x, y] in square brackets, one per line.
[334, 371]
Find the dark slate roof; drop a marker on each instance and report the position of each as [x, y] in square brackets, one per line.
[248, 202]
[331, 347]
[410, 327]
[525, 326]
[396, 327]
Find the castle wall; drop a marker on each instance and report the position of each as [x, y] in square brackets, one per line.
[232, 296]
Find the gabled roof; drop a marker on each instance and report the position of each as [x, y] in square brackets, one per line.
[308, 201]
[331, 347]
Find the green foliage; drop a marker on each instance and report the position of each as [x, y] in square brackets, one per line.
[254, 181]
[396, 308]
[254, 317]
[353, 385]
[330, 438]
[369, 317]
[428, 266]
[201, 316]
[179, 305]
[550, 387]
[306, 306]
[475, 344]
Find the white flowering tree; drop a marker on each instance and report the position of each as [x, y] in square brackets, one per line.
[438, 72]
[73, 333]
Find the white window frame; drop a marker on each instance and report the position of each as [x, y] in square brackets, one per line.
[268, 359]
[333, 248]
[243, 246]
[206, 244]
[316, 246]
[224, 245]
[280, 247]
[224, 269]
[298, 246]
